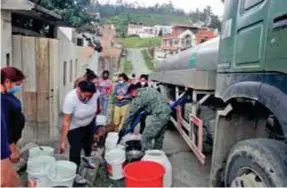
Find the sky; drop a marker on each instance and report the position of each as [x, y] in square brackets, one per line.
[187, 5]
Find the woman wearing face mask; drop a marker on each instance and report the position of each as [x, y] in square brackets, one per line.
[80, 109]
[122, 100]
[12, 123]
[106, 87]
[12, 83]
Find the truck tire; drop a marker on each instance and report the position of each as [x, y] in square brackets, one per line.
[257, 163]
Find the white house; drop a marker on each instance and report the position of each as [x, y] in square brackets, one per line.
[162, 30]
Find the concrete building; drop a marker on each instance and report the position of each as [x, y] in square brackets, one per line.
[48, 57]
[180, 39]
[134, 28]
[162, 30]
[148, 32]
[204, 34]
[109, 58]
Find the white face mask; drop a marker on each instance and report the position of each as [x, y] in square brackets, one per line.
[143, 83]
[121, 81]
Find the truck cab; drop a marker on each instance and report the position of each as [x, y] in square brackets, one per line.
[252, 82]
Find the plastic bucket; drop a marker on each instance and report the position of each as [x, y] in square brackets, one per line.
[101, 120]
[41, 151]
[144, 174]
[36, 169]
[115, 159]
[111, 141]
[61, 173]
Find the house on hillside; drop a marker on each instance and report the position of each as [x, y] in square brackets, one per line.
[111, 55]
[162, 30]
[148, 32]
[181, 38]
[204, 34]
[134, 28]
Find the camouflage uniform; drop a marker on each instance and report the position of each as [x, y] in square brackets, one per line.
[158, 114]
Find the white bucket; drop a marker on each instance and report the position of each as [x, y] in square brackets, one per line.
[41, 151]
[61, 173]
[160, 157]
[101, 120]
[111, 141]
[36, 169]
[115, 159]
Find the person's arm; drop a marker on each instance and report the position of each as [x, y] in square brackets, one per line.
[99, 108]
[136, 105]
[68, 110]
[9, 176]
[66, 126]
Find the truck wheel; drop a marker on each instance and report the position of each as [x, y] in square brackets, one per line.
[257, 163]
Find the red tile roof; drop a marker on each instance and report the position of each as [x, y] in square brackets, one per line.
[174, 34]
[205, 33]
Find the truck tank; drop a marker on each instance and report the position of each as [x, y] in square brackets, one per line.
[194, 68]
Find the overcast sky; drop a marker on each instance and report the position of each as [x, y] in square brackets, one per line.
[187, 5]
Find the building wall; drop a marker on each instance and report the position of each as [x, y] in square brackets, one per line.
[51, 67]
[6, 38]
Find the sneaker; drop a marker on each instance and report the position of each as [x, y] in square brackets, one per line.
[80, 180]
[89, 162]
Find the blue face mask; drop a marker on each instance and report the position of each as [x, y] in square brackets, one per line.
[15, 89]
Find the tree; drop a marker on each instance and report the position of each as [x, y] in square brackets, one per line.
[74, 12]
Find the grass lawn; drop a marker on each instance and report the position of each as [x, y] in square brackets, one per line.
[136, 42]
[148, 60]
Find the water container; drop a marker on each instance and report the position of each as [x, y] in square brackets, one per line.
[144, 174]
[115, 159]
[111, 141]
[41, 151]
[36, 169]
[160, 157]
[61, 173]
[101, 120]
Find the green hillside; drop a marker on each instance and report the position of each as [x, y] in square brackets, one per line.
[136, 42]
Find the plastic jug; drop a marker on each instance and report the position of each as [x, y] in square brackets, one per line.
[160, 157]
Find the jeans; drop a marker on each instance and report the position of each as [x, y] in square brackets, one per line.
[104, 102]
[80, 138]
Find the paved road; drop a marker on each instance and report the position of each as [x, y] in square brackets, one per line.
[187, 171]
[135, 56]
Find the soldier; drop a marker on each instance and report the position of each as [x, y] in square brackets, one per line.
[157, 111]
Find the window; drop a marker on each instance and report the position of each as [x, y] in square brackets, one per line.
[7, 59]
[64, 73]
[170, 42]
[71, 70]
[80, 42]
[175, 41]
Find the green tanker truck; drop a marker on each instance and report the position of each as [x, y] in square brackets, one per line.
[237, 95]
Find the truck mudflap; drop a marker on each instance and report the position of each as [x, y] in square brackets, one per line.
[194, 142]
